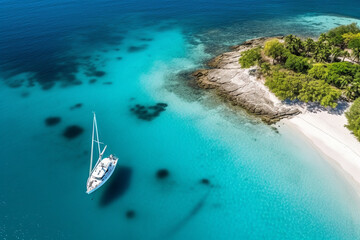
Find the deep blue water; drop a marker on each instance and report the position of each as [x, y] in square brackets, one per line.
[109, 56]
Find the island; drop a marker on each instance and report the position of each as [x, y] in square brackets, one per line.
[311, 85]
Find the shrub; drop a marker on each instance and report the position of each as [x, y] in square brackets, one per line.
[273, 48]
[296, 63]
[319, 91]
[284, 85]
[319, 71]
[250, 57]
[353, 117]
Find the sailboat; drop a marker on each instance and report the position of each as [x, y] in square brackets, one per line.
[103, 168]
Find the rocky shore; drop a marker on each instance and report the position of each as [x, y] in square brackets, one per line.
[243, 87]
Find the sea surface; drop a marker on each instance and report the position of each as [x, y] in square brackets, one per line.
[229, 176]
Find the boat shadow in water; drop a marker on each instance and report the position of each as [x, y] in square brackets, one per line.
[117, 186]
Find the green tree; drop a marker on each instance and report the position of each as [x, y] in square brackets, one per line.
[309, 46]
[354, 45]
[322, 50]
[336, 34]
[319, 71]
[250, 57]
[353, 117]
[284, 84]
[294, 44]
[319, 91]
[344, 54]
[335, 52]
[273, 48]
[297, 63]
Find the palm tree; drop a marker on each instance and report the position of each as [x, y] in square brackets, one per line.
[334, 53]
[345, 54]
[309, 46]
[293, 44]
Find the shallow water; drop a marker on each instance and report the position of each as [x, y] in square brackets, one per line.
[111, 56]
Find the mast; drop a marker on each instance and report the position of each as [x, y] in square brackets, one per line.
[97, 134]
[92, 145]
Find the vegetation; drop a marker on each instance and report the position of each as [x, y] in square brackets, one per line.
[297, 63]
[273, 48]
[250, 57]
[310, 70]
[353, 116]
[290, 85]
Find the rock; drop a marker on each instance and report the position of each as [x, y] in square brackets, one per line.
[205, 181]
[130, 214]
[72, 131]
[51, 121]
[78, 105]
[162, 173]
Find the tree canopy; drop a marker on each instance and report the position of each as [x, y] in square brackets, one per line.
[273, 48]
[250, 57]
[353, 117]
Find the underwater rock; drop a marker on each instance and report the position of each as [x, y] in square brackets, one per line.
[205, 181]
[162, 173]
[72, 131]
[99, 73]
[148, 113]
[47, 86]
[92, 72]
[51, 121]
[15, 83]
[77, 83]
[130, 214]
[91, 81]
[146, 39]
[25, 94]
[119, 58]
[137, 48]
[78, 105]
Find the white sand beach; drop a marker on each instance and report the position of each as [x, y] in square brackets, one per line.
[327, 132]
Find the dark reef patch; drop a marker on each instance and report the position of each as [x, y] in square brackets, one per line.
[137, 48]
[119, 58]
[16, 83]
[107, 83]
[25, 94]
[162, 173]
[118, 184]
[51, 121]
[91, 81]
[205, 181]
[130, 214]
[146, 39]
[148, 113]
[73, 131]
[78, 105]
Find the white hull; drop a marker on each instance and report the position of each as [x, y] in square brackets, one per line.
[101, 173]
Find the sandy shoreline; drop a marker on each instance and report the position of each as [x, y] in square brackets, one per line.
[326, 131]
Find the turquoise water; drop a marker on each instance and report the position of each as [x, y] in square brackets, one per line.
[263, 184]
